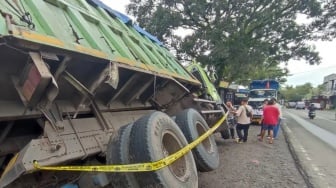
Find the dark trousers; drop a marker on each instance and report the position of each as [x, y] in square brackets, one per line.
[244, 128]
[232, 132]
[232, 124]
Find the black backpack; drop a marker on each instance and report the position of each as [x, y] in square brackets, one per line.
[248, 113]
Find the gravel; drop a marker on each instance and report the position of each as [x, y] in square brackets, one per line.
[253, 164]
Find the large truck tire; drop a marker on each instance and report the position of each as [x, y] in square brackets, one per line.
[154, 137]
[224, 130]
[225, 133]
[118, 153]
[193, 126]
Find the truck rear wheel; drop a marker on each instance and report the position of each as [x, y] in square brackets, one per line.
[118, 153]
[157, 136]
[193, 126]
[224, 128]
[225, 133]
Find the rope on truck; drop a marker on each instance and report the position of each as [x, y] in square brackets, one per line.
[137, 167]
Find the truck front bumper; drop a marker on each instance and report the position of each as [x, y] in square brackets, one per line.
[256, 119]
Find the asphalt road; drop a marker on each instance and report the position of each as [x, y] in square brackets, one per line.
[313, 143]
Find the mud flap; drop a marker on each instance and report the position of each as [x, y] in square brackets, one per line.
[12, 171]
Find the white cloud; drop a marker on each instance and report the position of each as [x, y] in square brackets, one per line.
[119, 5]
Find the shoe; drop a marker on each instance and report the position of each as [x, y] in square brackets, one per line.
[268, 137]
[260, 139]
[271, 141]
[239, 141]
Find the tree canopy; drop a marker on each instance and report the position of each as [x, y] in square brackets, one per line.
[300, 92]
[325, 25]
[245, 39]
[297, 93]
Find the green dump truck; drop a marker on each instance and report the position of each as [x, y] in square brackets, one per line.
[82, 85]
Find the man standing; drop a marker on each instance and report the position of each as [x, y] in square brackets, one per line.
[231, 119]
[277, 127]
[271, 116]
[265, 102]
[244, 115]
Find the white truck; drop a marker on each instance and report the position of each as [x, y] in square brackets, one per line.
[259, 91]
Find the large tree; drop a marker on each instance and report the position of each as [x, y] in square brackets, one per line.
[242, 38]
[325, 25]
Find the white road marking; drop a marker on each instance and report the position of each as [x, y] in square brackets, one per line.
[324, 135]
[303, 150]
[327, 119]
[315, 171]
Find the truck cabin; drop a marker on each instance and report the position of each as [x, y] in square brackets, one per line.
[263, 93]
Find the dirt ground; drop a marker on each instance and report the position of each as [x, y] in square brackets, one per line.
[253, 164]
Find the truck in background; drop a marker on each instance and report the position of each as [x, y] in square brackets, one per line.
[234, 93]
[259, 91]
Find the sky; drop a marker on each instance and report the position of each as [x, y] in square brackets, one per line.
[300, 71]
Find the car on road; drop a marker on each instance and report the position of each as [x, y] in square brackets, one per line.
[300, 105]
[291, 104]
[317, 106]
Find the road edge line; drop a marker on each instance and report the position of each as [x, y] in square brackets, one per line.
[298, 163]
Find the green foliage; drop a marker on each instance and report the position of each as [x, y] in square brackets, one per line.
[298, 93]
[243, 39]
[325, 25]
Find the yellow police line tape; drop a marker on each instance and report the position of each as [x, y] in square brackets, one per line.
[137, 167]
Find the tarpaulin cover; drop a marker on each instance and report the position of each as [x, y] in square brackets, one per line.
[264, 84]
[125, 19]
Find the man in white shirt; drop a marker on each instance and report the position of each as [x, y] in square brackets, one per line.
[244, 115]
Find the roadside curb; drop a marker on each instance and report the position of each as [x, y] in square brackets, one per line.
[290, 140]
